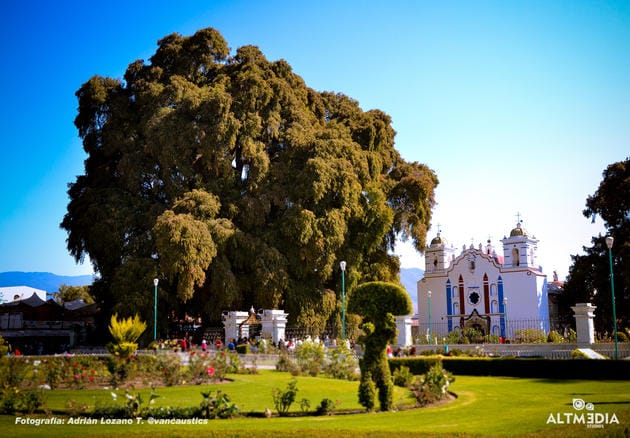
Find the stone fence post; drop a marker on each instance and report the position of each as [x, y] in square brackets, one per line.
[274, 323]
[584, 314]
[403, 323]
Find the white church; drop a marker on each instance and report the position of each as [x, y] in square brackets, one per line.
[482, 289]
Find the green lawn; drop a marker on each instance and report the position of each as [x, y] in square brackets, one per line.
[486, 407]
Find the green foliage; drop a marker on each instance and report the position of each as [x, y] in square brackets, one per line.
[555, 338]
[170, 369]
[238, 183]
[13, 400]
[590, 272]
[125, 332]
[342, 363]
[217, 406]
[68, 293]
[283, 399]
[466, 336]
[119, 370]
[134, 405]
[325, 407]
[530, 336]
[519, 367]
[305, 405]
[492, 339]
[374, 300]
[378, 302]
[242, 349]
[200, 369]
[432, 386]
[310, 357]
[285, 363]
[13, 370]
[367, 392]
[4, 347]
[622, 337]
[402, 376]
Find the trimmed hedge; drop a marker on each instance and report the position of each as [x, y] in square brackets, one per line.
[513, 367]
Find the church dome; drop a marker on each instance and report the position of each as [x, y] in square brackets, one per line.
[518, 231]
[438, 240]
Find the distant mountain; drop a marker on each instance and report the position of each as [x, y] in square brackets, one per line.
[43, 280]
[51, 282]
[409, 278]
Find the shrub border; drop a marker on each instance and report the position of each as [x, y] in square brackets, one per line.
[519, 367]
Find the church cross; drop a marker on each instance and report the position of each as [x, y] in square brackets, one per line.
[518, 217]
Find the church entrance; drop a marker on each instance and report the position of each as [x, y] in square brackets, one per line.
[478, 322]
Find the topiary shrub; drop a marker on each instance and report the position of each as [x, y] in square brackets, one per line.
[367, 391]
[378, 302]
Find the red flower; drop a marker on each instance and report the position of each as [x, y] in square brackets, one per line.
[210, 371]
[76, 377]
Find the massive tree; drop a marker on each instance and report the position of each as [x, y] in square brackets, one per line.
[589, 275]
[235, 184]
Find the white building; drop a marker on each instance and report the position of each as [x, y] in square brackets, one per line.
[481, 289]
[16, 293]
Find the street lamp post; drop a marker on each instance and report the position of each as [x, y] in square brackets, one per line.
[342, 265]
[155, 283]
[505, 301]
[609, 244]
[429, 311]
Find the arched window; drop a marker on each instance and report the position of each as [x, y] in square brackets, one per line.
[456, 308]
[454, 292]
[496, 330]
[494, 306]
[515, 257]
[493, 290]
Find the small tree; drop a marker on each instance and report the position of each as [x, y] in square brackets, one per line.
[378, 302]
[125, 332]
[284, 399]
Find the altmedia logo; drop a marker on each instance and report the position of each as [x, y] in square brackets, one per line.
[583, 413]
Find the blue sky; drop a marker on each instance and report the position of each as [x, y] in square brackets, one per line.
[518, 106]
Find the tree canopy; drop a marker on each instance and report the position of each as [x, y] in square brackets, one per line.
[589, 275]
[67, 293]
[235, 184]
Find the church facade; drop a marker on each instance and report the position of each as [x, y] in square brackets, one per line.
[482, 289]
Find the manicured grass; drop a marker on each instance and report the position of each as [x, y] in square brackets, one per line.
[486, 406]
[252, 393]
